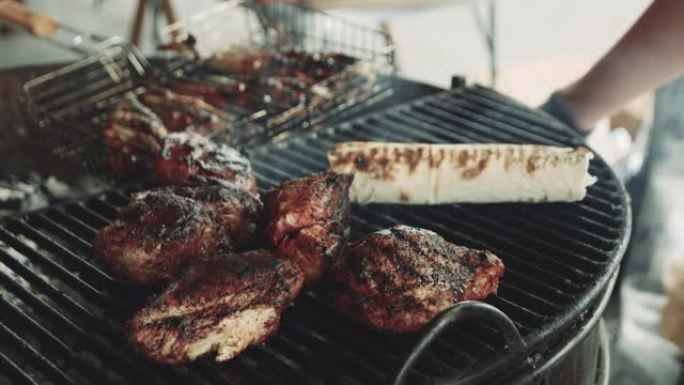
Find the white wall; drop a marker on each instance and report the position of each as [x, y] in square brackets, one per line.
[543, 44]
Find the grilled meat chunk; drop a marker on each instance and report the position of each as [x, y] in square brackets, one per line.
[400, 278]
[307, 67]
[224, 306]
[181, 112]
[306, 220]
[133, 137]
[213, 92]
[161, 231]
[188, 158]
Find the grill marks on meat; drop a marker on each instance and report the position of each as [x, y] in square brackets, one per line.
[161, 231]
[306, 220]
[401, 278]
[188, 158]
[220, 306]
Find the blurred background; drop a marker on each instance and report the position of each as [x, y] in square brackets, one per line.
[541, 45]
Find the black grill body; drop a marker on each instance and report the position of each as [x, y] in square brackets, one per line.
[61, 313]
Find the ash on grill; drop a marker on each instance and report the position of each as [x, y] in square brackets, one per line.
[33, 192]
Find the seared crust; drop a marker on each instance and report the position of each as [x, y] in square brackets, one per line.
[181, 112]
[306, 220]
[222, 306]
[188, 158]
[133, 136]
[400, 278]
[163, 230]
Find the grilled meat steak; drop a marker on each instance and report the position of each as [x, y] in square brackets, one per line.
[161, 231]
[306, 220]
[189, 158]
[400, 278]
[181, 112]
[133, 137]
[224, 306]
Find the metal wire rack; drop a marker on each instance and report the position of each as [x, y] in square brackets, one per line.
[236, 27]
[70, 105]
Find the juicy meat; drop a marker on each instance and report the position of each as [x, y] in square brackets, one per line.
[220, 306]
[188, 158]
[161, 231]
[133, 137]
[306, 220]
[276, 81]
[181, 112]
[401, 278]
[308, 67]
[213, 93]
[245, 64]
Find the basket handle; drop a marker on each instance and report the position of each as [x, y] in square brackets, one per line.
[460, 311]
[38, 24]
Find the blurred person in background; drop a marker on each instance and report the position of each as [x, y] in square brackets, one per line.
[649, 55]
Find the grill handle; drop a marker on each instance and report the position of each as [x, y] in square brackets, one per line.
[460, 311]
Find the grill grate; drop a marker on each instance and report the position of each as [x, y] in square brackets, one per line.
[62, 315]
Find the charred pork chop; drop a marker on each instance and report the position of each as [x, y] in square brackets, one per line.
[306, 220]
[400, 278]
[221, 306]
[188, 158]
[133, 137]
[161, 231]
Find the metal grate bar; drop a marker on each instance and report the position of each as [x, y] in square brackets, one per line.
[57, 374]
[71, 259]
[105, 351]
[79, 227]
[16, 370]
[41, 220]
[87, 215]
[55, 268]
[52, 342]
[55, 294]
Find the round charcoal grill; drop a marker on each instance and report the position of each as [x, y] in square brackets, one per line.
[61, 314]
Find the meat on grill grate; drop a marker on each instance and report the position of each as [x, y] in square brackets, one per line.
[161, 231]
[400, 278]
[224, 306]
[306, 220]
[188, 158]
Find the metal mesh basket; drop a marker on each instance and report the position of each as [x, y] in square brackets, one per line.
[70, 106]
[234, 27]
[280, 25]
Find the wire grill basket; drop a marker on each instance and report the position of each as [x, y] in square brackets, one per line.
[236, 27]
[71, 105]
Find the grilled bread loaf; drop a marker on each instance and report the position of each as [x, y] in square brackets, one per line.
[421, 173]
